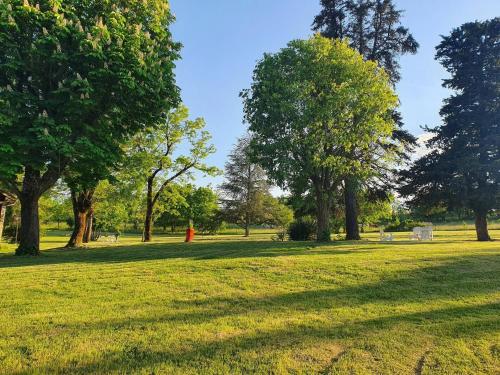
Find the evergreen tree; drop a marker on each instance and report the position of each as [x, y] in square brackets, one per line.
[463, 170]
[244, 188]
[373, 28]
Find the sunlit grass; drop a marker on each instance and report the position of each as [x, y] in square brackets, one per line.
[227, 304]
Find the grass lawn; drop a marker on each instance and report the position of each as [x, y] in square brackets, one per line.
[229, 305]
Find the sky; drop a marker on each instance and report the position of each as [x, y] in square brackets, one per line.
[223, 40]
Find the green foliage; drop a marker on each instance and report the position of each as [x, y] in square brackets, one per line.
[168, 152]
[277, 213]
[77, 79]
[110, 211]
[202, 206]
[302, 229]
[463, 168]
[110, 72]
[311, 108]
[182, 203]
[404, 226]
[174, 145]
[373, 210]
[245, 188]
[372, 27]
[311, 104]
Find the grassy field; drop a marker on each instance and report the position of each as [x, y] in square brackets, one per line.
[232, 305]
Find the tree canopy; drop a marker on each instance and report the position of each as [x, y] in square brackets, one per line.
[76, 79]
[166, 152]
[463, 168]
[310, 107]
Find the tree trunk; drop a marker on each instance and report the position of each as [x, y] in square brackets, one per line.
[148, 222]
[76, 239]
[351, 210]
[29, 243]
[82, 205]
[481, 223]
[87, 236]
[247, 226]
[30, 226]
[3, 209]
[323, 222]
[322, 215]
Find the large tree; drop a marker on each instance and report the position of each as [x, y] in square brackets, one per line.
[77, 78]
[463, 168]
[372, 27]
[310, 106]
[165, 153]
[244, 188]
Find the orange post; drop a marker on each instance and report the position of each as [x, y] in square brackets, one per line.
[189, 234]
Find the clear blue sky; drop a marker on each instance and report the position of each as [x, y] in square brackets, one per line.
[223, 39]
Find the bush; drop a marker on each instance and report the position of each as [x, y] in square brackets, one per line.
[404, 226]
[9, 233]
[302, 229]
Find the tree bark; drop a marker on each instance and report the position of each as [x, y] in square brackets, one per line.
[148, 221]
[87, 236]
[247, 226]
[34, 184]
[29, 243]
[82, 205]
[322, 214]
[351, 210]
[481, 224]
[3, 209]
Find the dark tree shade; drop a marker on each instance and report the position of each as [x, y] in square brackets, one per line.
[463, 170]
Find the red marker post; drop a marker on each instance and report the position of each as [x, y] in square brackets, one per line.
[190, 232]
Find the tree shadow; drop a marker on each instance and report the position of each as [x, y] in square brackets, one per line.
[455, 279]
[452, 280]
[157, 251]
[200, 250]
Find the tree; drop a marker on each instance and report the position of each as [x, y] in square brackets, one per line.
[203, 209]
[463, 170]
[172, 207]
[374, 208]
[244, 188]
[372, 27]
[109, 210]
[151, 156]
[77, 78]
[310, 106]
[278, 214]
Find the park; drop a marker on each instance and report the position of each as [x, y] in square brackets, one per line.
[183, 192]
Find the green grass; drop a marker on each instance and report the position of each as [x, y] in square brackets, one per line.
[231, 305]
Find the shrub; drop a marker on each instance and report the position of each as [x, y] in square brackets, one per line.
[9, 233]
[302, 229]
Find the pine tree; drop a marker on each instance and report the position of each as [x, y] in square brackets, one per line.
[244, 188]
[463, 170]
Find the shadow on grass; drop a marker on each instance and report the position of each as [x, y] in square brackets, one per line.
[201, 250]
[453, 280]
[181, 250]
